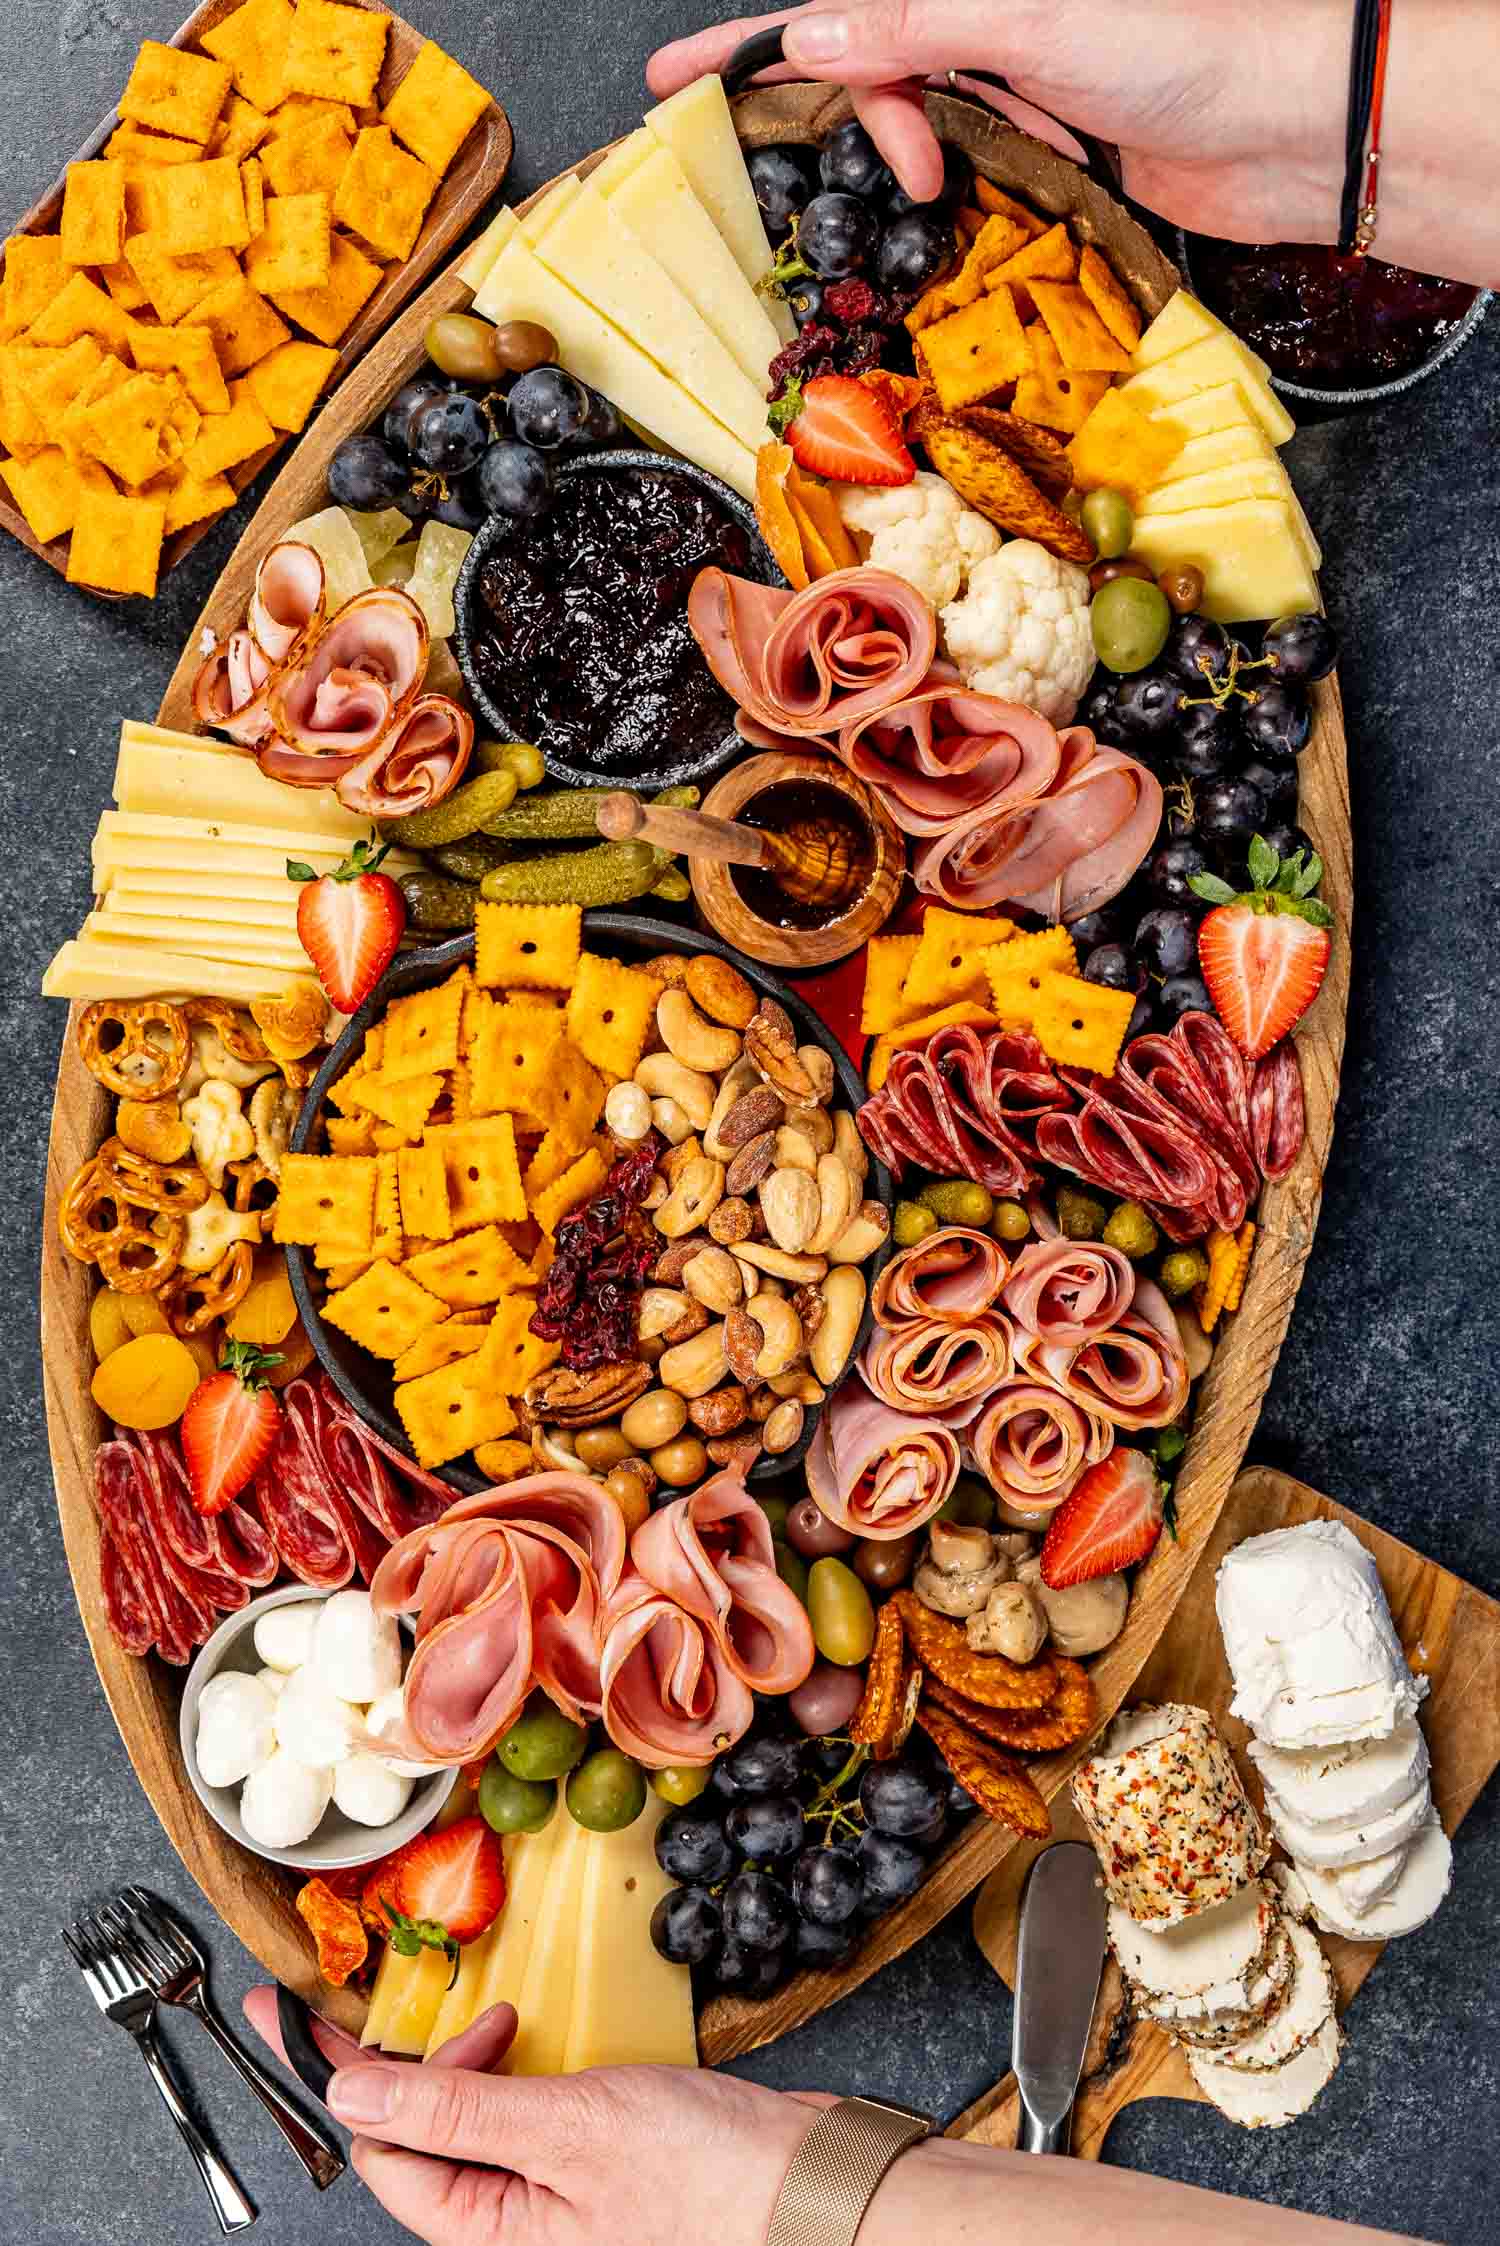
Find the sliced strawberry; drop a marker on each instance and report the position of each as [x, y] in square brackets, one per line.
[846, 431]
[1264, 953]
[453, 1880]
[232, 1420]
[349, 922]
[1111, 1521]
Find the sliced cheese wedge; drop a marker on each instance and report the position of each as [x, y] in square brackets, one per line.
[482, 254]
[529, 1863]
[251, 948]
[1331, 1785]
[1182, 320]
[546, 1999]
[1215, 448]
[520, 287]
[1226, 405]
[204, 886]
[623, 159]
[1331, 1847]
[460, 2005]
[653, 198]
[1254, 558]
[137, 894]
[630, 2008]
[697, 126]
[1223, 1949]
[217, 835]
[1425, 1877]
[1309, 2002]
[87, 968]
[535, 222]
[590, 247]
[1218, 358]
[1242, 479]
[405, 2000]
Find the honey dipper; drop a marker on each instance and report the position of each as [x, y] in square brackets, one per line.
[812, 861]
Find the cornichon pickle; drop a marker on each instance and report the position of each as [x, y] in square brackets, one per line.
[958, 1201]
[674, 888]
[1182, 1271]
[1131, 1230]
[471, 859]
[525, 761]
[437, 901]
[469, 808]
[569, 814]
[612, 874]
[1080, 1215]
[912, 1222]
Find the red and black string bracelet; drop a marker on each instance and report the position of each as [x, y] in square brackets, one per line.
[1367, 59]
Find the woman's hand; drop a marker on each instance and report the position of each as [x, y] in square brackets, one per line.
[1229, 119]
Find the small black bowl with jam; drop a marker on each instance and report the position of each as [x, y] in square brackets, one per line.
[573, 628]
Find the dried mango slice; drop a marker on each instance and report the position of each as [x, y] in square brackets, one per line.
[773, 513]
[942, 1648]
[337, 1931]
[1001, 1786]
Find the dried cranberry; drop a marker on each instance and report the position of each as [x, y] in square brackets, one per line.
[861, 349]
[814, 344]
[850, 301]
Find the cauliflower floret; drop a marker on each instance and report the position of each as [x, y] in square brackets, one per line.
[920, 531]
[1021, 630]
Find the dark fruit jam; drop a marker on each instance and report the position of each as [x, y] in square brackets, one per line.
[580, 632]
[835, 841]
[1331, 322]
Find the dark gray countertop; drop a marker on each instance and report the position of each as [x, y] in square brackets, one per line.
[1386, 1394]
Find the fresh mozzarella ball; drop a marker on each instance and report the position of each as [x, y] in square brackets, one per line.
[283, 1802]
[283, 1635]
[386, 1715]
[235, 1731]
[356, 1651]
[369, 1793]
[312, 1723]
[272, 1679]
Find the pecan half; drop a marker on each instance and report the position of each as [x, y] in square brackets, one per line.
[771, 1042]
[569, 1399]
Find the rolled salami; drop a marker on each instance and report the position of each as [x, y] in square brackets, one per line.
[1171, 1823]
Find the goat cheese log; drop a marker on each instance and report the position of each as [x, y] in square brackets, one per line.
[1171, 1823]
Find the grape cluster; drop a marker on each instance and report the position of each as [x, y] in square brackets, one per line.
[797, 1844]
[1222, 727]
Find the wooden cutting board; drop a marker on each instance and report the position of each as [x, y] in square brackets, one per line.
[1451, 1633]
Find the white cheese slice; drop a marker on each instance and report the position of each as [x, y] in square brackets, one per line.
[623, 159]
[1310, 2001]
[1425, 1879]
[189, 776]
[1215, 448]
[482, 254]
[655, 201]
[1336, 1785]
[90, 969]
[535, 222]
[1254, 558]
[1277, 2095]
[520, 287]
[1217, 1949]
[1182, 320]
[530, 1859]
[208, 885]
[696, 124]
[630, 2007]
[590, 247]
[1232, 2009]
[1361, 1886]
[546, 1999]
[405, 2000]
[1330, 1847]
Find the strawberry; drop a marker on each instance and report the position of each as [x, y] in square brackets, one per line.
[350, 922]
[231, 1421]
[1264, 952]
[442, 1889]
[846, 431]
[1111, 1521]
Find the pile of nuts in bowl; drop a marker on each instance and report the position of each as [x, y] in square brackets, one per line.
[751, 1309]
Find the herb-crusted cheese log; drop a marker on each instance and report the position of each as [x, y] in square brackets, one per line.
[1171, 1823]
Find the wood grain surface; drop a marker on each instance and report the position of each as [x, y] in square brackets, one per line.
[1450, 1631]
[254, 1899]
[722, 904]
[476, 174]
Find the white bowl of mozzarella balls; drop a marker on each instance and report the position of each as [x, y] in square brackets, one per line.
[281, 1724]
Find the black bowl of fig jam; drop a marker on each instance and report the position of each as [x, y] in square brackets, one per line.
[1336, 332]
[572, 626]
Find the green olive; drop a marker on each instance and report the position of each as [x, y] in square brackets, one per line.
[791, 1567]
[607, 1792]
[971, 1504]
[887, 1564]
[911, 1223]
[461, 346]
[542, 1743]
[1184, 1270]
[843, 1617]
[1010, 1221]
[600, 1448]
[514, 1805]
[679, 1787]
[1131, 1230]
[1107, 519]
[1130, 621]
[776, 1510]
[522, 759]
[521, 345]
[958, 1201]
[1080, 1215]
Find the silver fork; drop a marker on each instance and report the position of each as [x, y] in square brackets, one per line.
[123, 1997]
[173, 1967]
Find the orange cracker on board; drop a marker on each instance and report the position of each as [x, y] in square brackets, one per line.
[947, 964]
[242, 323]
[187, 352]
[555, 1153]
[1109, 298]
[82, 308]
[941, 1648]
[570, 1097]
[439, 1346]
[444, 1414]
[198, 207]
[484, 1173]
[176, 286]
[294, 249]
[611, 1009]
[384, 1310]
[422, 1182]
[34, 273]
[189, 498]
[116, 545]
[309, 160]
[330, 311]
[1053, 395]
[226, 439]
[884, 1716]
[1078, 1023]
[288, 382]
[1084, 344]
[998, 237]
[886, 961]
[336, 52]
[326, 1200]
[992, 199]
[93, 214]
[384, 193]
[1069, 1716]
[512, 1354]
[240, 131]
[511, 1054]
[975, 352]
[421, 1032]
[435, 107]
[46, 490]
[992, 483]
[1002, 1786]
[253, 41]
[527, 945]
[350, 1134]
[1052, 256]
[578, 1183]
[468, 1272]
[387, 1240]
[172, 91]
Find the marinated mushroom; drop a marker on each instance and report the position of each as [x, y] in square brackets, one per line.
[1011, 1623]
[959, 1569]
[1083, 1618]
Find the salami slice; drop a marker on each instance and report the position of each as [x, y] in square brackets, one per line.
[1278, 1119]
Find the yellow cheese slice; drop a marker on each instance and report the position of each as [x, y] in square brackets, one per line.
[405, 2000]
[520, 287]
[184, 777]
[546, 1999]
[204, 904]
[530, 1859]
[697, 126]
[535, 222]
[482, 254]
[623, 159]
[591, 248]
[1218, 358]
[219, 836]
[630, 2008]
[1224, 406]
[214, 888]
[1241, 479]
[1252, 556]
[251, 948]
[1184, 320]
[89, 969]
[1216, 448]
[655, 201]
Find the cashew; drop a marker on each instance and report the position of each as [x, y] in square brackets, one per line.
[273, 1111]
[795, 1150]
[669, 1119]
[696, 1193]
[712, 1277]
[848, 1143]
[222, 1132]
[677, 1158]
[867, 1230]
[552, 1447]
[658, 1311]
[820, 1070]
[665, 1078]
[799, 1384]
[837, 1194]
[691, 1038]
[696, 1366]
[213, 1229]
[1011, 1623]
[814, 1123]
[781, 1331]
[781, 1265]
[844, 1295]
[789, 1204]
[783, 1427]
[741, 1079]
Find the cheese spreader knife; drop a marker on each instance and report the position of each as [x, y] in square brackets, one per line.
[1059, 1959]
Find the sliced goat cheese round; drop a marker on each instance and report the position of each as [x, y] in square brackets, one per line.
[1361, 1886]
[1223, 1949]
[1231, 2012]
[1168, 1815]
[1425, 1879]
[1310, 2001]
[1330, 1847]
[1340, 1785]
[1289, 1885]
[1275, 2095]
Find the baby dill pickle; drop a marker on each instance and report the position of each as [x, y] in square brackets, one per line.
[612, 874]
[561, 815]
[435, 901]
[674, 888]
[524, 760]
[912, 1222]
[958, 1201]
[460, 814]
[469, 860]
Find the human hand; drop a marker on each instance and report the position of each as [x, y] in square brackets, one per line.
[464, 2157]
[1228, 119]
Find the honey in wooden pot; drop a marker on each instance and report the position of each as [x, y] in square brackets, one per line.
[828, 863]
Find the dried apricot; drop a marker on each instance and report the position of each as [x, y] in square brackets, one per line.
[109, 1328]
[146, 1382]
[267, 1311]
[204, 1351]
[294, 1354]
[143, 1314]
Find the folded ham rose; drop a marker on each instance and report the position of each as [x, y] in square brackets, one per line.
[1069, 1290]
[1032, 1444]
[876, 1471]
[1134, 1375]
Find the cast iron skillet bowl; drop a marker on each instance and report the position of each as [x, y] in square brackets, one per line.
[364, 1381]
[759, 565]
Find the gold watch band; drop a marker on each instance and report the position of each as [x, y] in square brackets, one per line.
[837, 2169]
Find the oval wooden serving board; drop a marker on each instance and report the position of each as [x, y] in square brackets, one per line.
[253, 1898]
[1451, 1633]
[476, 174]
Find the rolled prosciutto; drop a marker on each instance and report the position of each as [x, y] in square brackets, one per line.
[1032, 1443]
[711, 1553]
[929, 1365]
[944, 756]
[670, 1695]
[354, 679]
[1134, 1375]
[421, 760]
[289, 599]
[876, 1471]
[1068, 1290]
[852, 644]
[954, 1273]
[230, 690]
